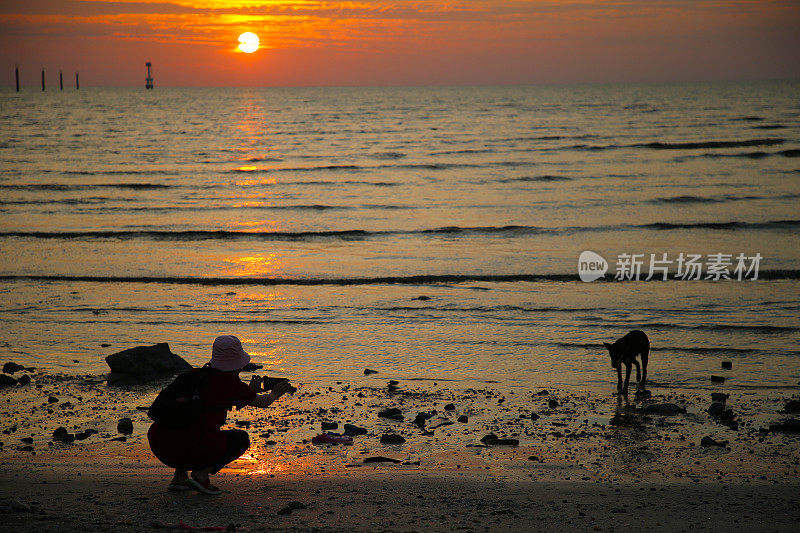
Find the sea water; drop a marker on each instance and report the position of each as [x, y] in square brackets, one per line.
[427, 233]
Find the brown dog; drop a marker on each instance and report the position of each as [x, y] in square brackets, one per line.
[624, 351]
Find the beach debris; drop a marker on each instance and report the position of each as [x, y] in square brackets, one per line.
[708, 441]
[393, 413]
[12, 504]
[290, 507]
[7, 381]
[351, 430]
[332, 438]
[727, 365]
[463, 419]
[664, 409]
[392, 438]
[144, 363]
[125, 426]
[792, 406]
[381, 459]
[11, 367]
[790, 426]
[717, 379]
[369, 372]
[493, 440]
[326, 425]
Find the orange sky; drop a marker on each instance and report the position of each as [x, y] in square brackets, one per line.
[403, 42]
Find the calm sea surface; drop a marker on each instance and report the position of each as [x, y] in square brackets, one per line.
[310, 221]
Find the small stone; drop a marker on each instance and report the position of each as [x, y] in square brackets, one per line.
[450, 407]
[11, 367]
[239, 424]
[792, 426]
[27, 440]
[727, 365]
[792, 406]
[534, 416]
[329, 425]
[422, 298]
[716, 409]
[391, 438]
[59, 433]
[717, 379]
[708, 441]
[125, 426]
[24, 379]
[463, 419]
[350, 430]
[392, 413]
[369, 371]
[552, 404]
[52, 399]
[421, 418]
[720, 397]
[664, 409]
[381, 459]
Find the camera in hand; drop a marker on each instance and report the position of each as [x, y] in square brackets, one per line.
[269, 383]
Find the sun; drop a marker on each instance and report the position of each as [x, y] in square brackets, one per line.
[248, 42]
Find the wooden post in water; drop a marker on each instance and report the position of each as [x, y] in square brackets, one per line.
[77, 83]
[148, 81]
[16, 75]
[61, 80]
[43, 79]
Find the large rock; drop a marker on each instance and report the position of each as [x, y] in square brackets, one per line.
[144, 363]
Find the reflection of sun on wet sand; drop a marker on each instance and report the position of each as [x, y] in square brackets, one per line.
[583, 461]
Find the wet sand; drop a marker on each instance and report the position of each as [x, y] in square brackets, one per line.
[584, 461]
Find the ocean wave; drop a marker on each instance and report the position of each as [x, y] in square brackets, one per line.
[419, 279]
[83, 186]
[508, 231]
[544, 178]
[709, 144]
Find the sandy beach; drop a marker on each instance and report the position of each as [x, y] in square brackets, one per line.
[571, 461]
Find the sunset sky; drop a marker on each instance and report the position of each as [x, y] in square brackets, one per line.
[401, 42]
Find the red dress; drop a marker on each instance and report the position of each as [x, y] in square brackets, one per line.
[203, 443]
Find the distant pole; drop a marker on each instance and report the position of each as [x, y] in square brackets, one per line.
[148, 81]
[43, 79]
[61, 80]
[77, 83]
[16, 75]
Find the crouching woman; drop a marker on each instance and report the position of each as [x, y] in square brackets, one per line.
[202, 447]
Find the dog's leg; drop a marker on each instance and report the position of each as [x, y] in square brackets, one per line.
[619, 377]
[638, 371]
[627, 378]
[645, 353]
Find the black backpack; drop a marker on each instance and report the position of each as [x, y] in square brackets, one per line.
[179, 405]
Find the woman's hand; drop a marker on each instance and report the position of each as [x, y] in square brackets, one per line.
[257, 383]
